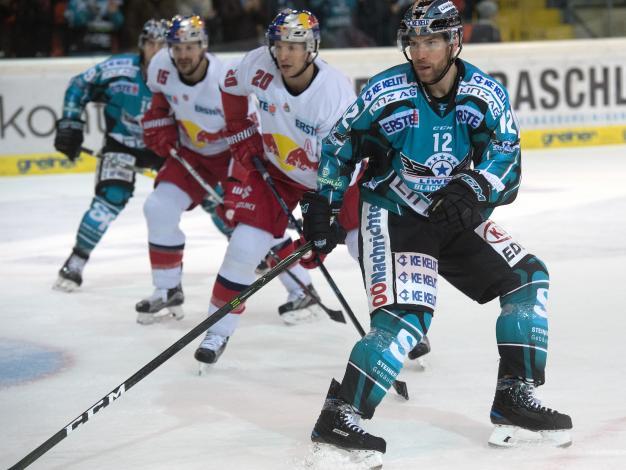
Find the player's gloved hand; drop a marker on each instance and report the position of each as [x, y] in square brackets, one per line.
[69, 137]
[160, 133]
[245, 142]
[457, 206]
[312, 259]
[317, 214]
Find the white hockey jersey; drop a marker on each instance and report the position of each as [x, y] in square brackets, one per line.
[292, 126]
[197, 108]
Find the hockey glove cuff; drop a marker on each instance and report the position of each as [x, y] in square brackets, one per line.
[457, 206]
[245, 142]
[69, 137]
[317, 216]
[160, 134]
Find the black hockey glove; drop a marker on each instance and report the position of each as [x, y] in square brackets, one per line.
[457, 206]
[317, 214]
[69, 137]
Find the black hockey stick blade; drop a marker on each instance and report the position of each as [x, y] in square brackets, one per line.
[401, 389]
[335, 315]
[148, 368]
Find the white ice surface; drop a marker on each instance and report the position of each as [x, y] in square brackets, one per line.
[257, 407]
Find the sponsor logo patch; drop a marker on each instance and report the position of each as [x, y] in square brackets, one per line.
[400, 121]
[470, 116]
[501, 242]
[392, 97]
[416, 279]
[381, 86]
[376, 257]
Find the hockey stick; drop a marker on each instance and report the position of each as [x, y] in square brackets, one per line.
[335, 315]
[142, 373]
[398, 385]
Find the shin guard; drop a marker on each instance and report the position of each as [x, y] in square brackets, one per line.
[376, 360]
[522, 327]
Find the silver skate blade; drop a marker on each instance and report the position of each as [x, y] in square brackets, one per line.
[326, 457]
[168, 313]
[514, 436]
[419, 364]
[310, 314]
[64, 285]
[204, 368]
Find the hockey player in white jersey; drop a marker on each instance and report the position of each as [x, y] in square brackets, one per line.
[299, 99]
[186, 116]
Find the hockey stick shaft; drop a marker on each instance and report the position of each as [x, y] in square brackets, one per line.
[398, 385]
[333, 314]
[142, 373]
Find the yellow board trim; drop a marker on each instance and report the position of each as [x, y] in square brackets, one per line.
[45, 164]
[54, 162]
[573, 137]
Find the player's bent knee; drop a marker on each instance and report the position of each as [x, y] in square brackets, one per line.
[400, 331]
[114, 194]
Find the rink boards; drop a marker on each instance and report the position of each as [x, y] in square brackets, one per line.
[565, 93]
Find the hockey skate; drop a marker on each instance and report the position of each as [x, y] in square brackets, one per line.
[338, 439]
[210, 350]
[419, 351]
[301, 307]
[149, 310]
[520, 418]
[71, 273]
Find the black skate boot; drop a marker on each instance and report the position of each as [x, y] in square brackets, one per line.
[421, 349]
[71, 273]
[515, 412]
[337, 434]
[301, 307]
[149, 309]
[210, 349]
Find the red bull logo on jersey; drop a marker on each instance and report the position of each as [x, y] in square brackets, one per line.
[288, 154]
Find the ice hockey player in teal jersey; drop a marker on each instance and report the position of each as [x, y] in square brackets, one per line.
[444, 151]
[119, 83]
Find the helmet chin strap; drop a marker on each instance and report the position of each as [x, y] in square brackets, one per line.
[306, 66]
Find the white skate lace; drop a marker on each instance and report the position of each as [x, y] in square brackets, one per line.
[351, 420]
[525, 392]
[212, 341]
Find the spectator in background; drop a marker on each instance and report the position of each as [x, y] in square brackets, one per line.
[373, 16]
[26, 28]
[242, 23]
[94, 26]
[397, 9]
[339, 28]
[272, 7]
[137, 12]
[485, 29]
